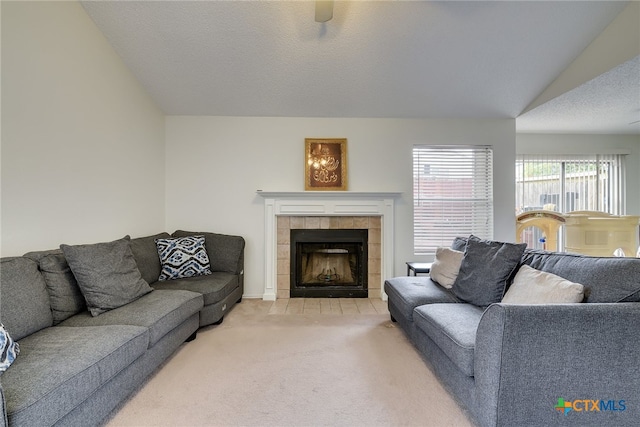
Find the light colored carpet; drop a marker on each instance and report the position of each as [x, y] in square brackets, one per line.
[259, 369]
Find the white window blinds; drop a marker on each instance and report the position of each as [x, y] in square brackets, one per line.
[565, 183]
[452, 194]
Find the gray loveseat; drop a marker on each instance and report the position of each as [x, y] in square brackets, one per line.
[74, 368]
[534, 364]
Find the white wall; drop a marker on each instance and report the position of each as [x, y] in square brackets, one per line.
[216, 164]
[82, 143]
[591, 144]
[83, 150]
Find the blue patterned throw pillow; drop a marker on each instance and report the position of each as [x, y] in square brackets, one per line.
[9, 349]
[183, 257]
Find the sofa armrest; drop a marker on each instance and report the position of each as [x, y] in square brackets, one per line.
[226, 252]
[529, 356]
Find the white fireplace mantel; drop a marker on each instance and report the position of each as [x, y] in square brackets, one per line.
[324, 203]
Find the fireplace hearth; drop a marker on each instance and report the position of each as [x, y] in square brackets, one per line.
[329, 263]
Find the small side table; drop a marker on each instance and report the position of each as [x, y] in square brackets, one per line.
[418, 267]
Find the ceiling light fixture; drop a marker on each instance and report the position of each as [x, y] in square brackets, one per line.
[324, 10]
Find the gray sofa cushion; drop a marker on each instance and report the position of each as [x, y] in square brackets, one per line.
[145, 253]
[453, 328]
[64, 293]
[214, 287]
[225, 252]
[409, 292]
[487, 267]
[24, 301]
[604, 279]
[159, 311]
[59, 368]
[107, 274]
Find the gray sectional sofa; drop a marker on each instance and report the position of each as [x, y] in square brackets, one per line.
[74, 368]
[571, 364]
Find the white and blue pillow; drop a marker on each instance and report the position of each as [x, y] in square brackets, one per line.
[9, 349]
[183, 257]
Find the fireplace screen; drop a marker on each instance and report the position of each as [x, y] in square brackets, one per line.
[322, 265]
[329, 263]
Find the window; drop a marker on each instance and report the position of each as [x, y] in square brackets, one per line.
[570, 183]
[566, 183]
[452, 195]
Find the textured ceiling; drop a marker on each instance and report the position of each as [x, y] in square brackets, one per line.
[479, 59]
[610, 103]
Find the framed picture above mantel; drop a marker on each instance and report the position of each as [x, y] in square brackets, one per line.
[325, 164]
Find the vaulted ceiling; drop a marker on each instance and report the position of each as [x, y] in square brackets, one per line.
[409, 59]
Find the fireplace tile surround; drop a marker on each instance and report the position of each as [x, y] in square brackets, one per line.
[286, 223]
[284, 211]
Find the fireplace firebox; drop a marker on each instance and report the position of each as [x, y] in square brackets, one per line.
[329, 263]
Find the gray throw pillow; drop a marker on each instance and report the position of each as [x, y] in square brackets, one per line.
[24, 300]
[107, 274]
[459, 244]
[486, 268]
[64, 293]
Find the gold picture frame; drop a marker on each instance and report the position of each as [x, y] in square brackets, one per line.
[325, 164]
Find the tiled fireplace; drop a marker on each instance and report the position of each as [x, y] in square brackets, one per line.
[285, 211]
[287, 223]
